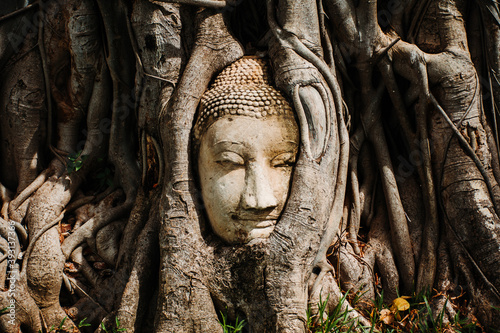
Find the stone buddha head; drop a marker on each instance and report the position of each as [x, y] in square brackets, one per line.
[247, 141]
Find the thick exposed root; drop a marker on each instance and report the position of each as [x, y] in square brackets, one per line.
[134, 300]
[214, 49]
[90, 229]
[28, 191]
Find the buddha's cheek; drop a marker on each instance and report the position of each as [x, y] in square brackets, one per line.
[221, 196]
[280, 179]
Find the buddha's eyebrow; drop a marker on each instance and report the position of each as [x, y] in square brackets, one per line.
[226, 144]
[287, 144]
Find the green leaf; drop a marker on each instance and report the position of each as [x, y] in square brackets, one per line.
[78, 165]
[83, 323]
[227, 328]
[62, 323]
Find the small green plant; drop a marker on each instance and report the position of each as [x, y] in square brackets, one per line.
[336, 321]
[75, 161]
[82, 323]
[228, 328]
[58, 329]
[114, 329]
[61, 325]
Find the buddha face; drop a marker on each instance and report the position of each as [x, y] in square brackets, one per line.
[245, 165]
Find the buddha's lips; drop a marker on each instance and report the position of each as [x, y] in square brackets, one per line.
[261, 224]
[256, 222]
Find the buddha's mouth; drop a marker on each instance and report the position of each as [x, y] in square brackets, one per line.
[262, 224]
[256, 222]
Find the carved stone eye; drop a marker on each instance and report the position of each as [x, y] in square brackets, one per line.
[284, 160]
[229, 158]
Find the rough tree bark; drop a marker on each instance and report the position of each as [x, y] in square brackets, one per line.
[396, 180]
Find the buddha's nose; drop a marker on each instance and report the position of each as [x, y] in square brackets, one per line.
[258, 193]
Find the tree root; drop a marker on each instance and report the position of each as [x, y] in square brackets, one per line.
[27, 314]
[4, 246]
[6, 231]
[483, 299]
[37, 236]
[6, 197]
[397, 217]
[136, 222]
[135, 297]
[442, 310]
[213, 50]
[470, 151]
[295, 66]
[120, 62]
[90, 228]
[84, 267]
[201, 3]
[379, 246]
[99, 300]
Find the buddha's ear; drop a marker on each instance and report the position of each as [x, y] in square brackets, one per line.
[314, 119]
[303, 83]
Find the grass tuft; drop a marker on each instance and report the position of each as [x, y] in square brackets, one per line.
[231, 328]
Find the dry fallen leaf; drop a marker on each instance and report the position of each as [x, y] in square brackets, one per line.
[70, 267]
[386, 316]
[65, 227]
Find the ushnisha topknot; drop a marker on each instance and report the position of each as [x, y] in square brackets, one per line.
[241, 89]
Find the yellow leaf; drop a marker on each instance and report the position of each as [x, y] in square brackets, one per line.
[400, 304]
